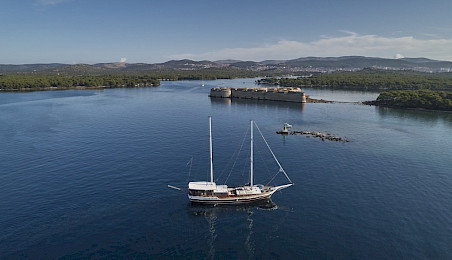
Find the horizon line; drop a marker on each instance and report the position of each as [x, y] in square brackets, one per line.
[215, 61]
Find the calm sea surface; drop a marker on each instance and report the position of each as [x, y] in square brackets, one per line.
[84, 174]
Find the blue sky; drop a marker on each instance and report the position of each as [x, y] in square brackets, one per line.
[92, 31]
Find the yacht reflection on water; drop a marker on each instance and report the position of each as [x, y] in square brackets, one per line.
[211, 213]
[209, 209]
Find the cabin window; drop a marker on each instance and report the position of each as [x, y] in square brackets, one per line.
[200, 192]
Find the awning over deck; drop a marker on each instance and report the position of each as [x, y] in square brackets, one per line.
[202, 185]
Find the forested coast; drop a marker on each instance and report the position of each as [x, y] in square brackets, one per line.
[31, 82]
[85, 76]
[418, 99]
[401, 89]
[368, 79]
[404, 89]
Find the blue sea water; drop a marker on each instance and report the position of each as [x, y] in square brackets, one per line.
[84, 174]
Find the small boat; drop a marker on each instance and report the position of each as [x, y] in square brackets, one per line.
[208, 192]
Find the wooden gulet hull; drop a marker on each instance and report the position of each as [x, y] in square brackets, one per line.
[230, 200]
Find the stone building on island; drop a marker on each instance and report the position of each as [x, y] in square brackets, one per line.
[275, 94]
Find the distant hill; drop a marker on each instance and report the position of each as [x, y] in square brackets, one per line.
[418, 60]
[272, 62]
[359, 62]
[80, 69]
[29, 67]
[246, 64]
[319, 64]
[188, 64]
[226, 61]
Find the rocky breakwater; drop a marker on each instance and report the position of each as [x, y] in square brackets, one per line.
[275, 94]
[322, 136]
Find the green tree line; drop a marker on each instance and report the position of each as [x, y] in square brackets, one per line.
[95, 79]
[210, 74]
[39, 81]
[369, 79]
[426, 99]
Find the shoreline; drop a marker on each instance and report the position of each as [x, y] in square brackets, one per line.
[71, 88]
[376, 104]
[314, 100]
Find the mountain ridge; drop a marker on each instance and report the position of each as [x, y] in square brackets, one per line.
[320, 64]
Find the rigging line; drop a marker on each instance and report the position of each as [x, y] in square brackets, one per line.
[236, 155]
[273, 177]
[258, 148]
[189, 171]
[281, 168]
[226, 167]
[236, 158]
[246, 168]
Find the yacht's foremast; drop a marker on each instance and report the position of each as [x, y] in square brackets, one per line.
[251, 156]
[210, 146]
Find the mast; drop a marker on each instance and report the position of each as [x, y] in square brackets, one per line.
[210, 146]
[251, 156]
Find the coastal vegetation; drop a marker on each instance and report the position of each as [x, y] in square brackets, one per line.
[89, 76]
[424, 99]
[84, 76]
[368, 79]
[210, 74]
[24, 82]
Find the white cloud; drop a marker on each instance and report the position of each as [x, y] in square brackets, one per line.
[349, 44]
[122, 60]
[399, 56]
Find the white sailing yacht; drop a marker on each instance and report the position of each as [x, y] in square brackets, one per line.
[208, 192]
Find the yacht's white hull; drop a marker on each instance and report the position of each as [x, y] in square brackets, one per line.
[236, 199]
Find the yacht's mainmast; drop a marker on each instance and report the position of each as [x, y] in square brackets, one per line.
[251, 156]
[211, 152]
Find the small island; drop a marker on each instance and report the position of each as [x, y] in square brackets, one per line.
[415, 99]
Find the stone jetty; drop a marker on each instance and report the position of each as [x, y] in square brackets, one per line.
[275, 94]
[323, 136]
